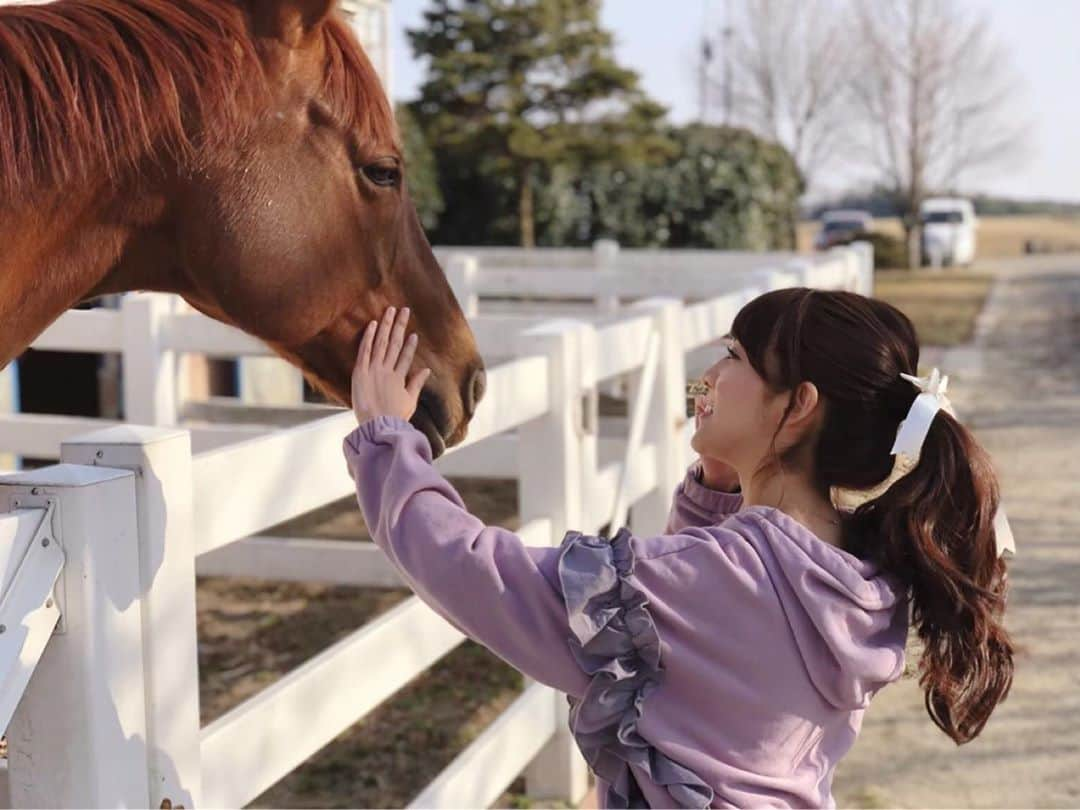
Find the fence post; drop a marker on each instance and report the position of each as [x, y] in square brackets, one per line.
[9, 403]
[666, 416]
[269, 381]
[192, 370]
[149, 367]
[462, 272]
[864, 273]
[78, 737]
[773, 278]
[606, 262]
[551, 481]
[606, 301]
[803, 270]
[161, 461]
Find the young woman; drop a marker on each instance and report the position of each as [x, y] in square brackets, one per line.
[728, 662]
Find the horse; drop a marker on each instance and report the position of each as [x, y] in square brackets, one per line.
[239, 153]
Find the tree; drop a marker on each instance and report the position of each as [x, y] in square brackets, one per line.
[934, 90]
[421, 170]
[785, 74]
[530, 85]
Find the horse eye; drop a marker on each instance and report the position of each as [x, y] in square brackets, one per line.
[382, 174]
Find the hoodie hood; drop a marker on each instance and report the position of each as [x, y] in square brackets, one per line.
[849, 619]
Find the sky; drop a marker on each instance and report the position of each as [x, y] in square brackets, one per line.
[1040, 37]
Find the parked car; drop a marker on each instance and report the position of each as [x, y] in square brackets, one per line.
[948, 231]
[840, 227]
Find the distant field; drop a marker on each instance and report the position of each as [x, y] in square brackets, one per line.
[942, 305]
[998, 237]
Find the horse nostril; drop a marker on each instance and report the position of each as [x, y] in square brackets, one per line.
[475, 391]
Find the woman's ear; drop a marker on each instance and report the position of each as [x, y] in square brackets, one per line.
[804, 406]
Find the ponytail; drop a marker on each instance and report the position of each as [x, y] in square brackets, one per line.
[933, 529]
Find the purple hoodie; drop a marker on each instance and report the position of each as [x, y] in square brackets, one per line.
[727, 662]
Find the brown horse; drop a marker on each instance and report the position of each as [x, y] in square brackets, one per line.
[240, 153]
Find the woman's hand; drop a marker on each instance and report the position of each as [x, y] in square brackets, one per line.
[379, 382]
[718, 475]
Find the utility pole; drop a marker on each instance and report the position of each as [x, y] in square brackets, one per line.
[728, 33]
[703, 76]
[703, 64]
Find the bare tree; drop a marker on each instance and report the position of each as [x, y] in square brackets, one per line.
[933, 91]
[785, 73]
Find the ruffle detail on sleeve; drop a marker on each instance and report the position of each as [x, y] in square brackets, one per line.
[616, 643]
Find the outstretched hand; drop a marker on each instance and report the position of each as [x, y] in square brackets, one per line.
[380, 382]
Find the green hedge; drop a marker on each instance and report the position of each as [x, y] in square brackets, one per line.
[724, 188]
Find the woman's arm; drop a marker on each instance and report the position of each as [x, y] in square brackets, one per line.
[483, 579]
[696, 504]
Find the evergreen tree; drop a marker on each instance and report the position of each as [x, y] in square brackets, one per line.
[529, 85]
[423, 176]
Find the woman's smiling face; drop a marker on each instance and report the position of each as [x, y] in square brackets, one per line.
[737, 419]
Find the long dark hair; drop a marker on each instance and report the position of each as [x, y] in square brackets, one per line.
[933, 529]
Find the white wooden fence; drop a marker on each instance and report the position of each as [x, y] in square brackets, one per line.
[111, 715]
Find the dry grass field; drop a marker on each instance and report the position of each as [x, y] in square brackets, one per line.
[998, 237]
[943, 305]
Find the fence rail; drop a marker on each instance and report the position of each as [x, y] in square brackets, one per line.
[203, 511]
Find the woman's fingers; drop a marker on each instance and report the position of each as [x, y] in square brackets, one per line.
[382, 339]
[363, 356]
[416, 384]
[405, 360]
[397, 338]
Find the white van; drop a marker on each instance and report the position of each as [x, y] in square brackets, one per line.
[948, 231]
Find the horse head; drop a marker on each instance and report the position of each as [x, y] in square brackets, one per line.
[301, 230]
[240, 153]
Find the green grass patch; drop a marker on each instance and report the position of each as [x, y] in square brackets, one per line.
[943, 305]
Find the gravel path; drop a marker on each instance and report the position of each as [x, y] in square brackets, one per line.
[1018, 386]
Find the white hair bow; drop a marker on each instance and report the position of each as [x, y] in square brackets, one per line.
[913, 430]
[908, 446]
[909, 439]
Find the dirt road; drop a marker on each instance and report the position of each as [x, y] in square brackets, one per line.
[1018, 385]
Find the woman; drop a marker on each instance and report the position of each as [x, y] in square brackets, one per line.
[728, 662]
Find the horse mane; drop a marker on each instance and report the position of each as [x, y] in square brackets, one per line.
[96, 85]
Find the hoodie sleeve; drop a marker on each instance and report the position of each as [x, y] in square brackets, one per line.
[695, 505]
[482, 579]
